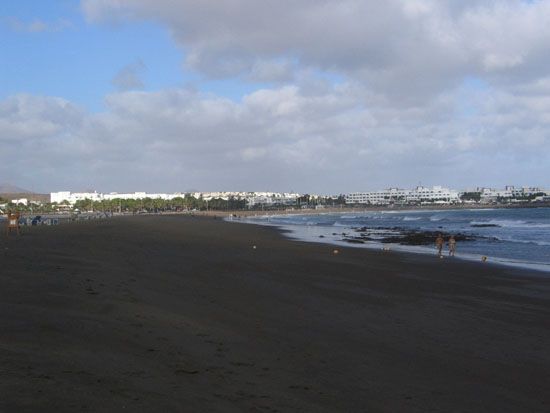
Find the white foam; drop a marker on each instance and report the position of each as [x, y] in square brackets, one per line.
[523, 241]
[339, 224]
[318, 234]
[520, 231]
[511, 223]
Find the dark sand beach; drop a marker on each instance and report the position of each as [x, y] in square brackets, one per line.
[182, 314]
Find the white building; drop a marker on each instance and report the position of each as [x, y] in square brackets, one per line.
[382, 197]
[271, 198]
[73, 197]
[142, 195]
[22, 201]
[252, 198]
[225, 195]
[508, 193]
[419, 195]
[116, 195]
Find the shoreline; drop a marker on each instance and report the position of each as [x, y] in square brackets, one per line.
[320, 211]
[303, 233]
[292, 232]
[309, 211]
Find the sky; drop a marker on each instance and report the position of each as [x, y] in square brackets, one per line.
[275, 95]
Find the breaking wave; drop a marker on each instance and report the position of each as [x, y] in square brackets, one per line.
[508, 223]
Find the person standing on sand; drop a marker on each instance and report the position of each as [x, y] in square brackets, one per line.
[439, 244]
[452, 246]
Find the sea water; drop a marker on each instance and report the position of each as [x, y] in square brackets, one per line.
[512, 236]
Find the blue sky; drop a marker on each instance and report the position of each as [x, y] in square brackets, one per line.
[65, 63]
[79, 60]
[311, 96]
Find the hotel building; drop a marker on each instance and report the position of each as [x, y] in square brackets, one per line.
[419, 195]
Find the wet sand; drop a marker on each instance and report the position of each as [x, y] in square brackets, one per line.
[182, 314]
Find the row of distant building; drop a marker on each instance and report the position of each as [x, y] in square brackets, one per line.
[440, 195]
[420, 195]
[252, 198]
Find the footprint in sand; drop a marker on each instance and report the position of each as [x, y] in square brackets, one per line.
[242, 364]
[298, 387]
[180, 372]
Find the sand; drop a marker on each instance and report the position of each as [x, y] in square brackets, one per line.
[182, 314]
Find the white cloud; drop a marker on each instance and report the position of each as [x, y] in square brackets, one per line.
[405, 49]
[440, 91]
[277, 139]
[37, 25]
[271, 71]
[130, 77]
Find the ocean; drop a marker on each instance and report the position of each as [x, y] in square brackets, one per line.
[511, 236]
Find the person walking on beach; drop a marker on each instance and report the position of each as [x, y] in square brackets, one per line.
[439, 244]
[452, 246]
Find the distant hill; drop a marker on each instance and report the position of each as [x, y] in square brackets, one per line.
[9, 192]
[12, 189]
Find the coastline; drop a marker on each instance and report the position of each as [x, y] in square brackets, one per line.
[320, 211]
[180, 313]
[324, 210]
[293, 232]
[322, 235]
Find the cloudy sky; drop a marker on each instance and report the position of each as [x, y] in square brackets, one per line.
[305, 95]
